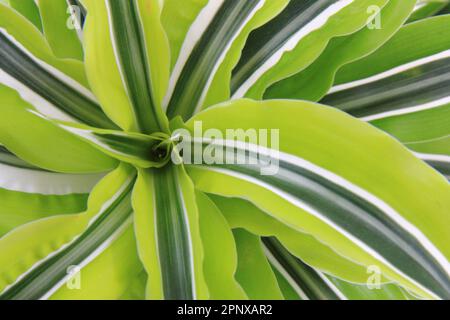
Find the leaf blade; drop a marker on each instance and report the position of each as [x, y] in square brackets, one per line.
[76, 156]
[261, 191]
[62, 39]
[36, 269]
[306, 85]
[254, 272]
[167, 231]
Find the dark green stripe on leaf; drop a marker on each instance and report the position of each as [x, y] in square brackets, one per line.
[10, 159]
[174, 248]
[49, 273]
[28, 9]
[21, 67]
[266, 40]
[82, 10]
[441, 166]
[416, 86]
[304, 276]
[131, 51]
[200, 65]
[352, 213]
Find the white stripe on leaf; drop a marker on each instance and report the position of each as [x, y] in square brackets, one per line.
[191, 248]
[50, 69]
[44, 182]
[391, 72]
[37, 101]
[412, 109]
[116, 55]
[185, 55]
[315, 24]
[433, 157]
[99, 250]
[308, 209]
[193, 35]
[342, 182]
[285, 274]
[330, 285]
[106, 244]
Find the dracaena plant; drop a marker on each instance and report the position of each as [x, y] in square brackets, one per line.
[94, 205]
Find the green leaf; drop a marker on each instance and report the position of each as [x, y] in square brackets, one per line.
[28, 9]
[56, 87]
[168, 235]
[416, 88]
[402, 88]
[220, 252]
[34, 267]
[221, 27]
[158, 49]
[361, 292]
[412, 42]
[439, 162]
[114, 274]
[358, 208]
[254, 272]
[288, 291]
[219, 90]
[421, 128]
[313, 82]
[145, 151]
[24, 34]
[177, 20]
[121, 53]
[61, 37]
[242, 214]
[310, 284]
[19, 208]
[427, 8]
[8, 158]
[425, 132]
[292, 41]
[25, 133]
[409, 71]
[29, 193]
